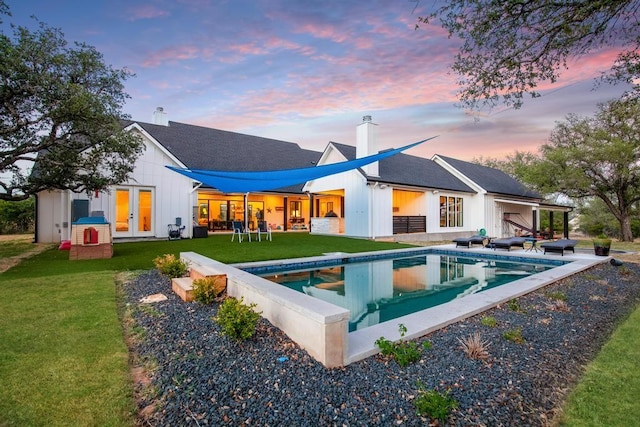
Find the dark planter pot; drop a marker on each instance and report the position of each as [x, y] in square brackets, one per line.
[601, 247]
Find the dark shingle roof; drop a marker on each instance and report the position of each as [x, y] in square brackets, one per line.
[200, 147]
[492, 180]
[404, 169]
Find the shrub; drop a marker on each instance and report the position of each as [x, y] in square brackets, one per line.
[171, 266]
[434, 404]
[489, 321]
[403, 352]
[514, 305]
[475, 347]
[514, 335]
[207, 289]
[238, 321]
[559, 296]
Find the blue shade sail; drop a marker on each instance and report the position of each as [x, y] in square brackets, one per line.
[252, 181]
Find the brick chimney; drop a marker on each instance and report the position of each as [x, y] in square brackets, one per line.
[160, 117]
[367, 144]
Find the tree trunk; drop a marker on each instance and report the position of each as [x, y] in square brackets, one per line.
[626, 235]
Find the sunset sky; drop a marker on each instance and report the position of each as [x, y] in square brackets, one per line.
[307, 71]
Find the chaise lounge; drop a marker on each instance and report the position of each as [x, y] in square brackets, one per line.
[507, 243]
[468, 241]
[559, 246]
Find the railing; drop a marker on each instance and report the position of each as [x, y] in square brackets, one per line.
[409, 224]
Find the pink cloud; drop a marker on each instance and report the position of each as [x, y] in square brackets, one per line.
[321, 31]
[145, 12]
[172, 54]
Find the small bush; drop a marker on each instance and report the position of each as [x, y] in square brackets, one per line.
[171, 266]
[514, 305]
[559, 296]
[514, 335]
[403, 352]
[207, 289]
[489, 321]
[475, 347]
[434, 404]
[238, 321]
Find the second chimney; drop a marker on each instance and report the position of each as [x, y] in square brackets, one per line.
[160, 117]
[367, 144]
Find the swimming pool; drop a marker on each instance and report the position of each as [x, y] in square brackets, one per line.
[379, 290]
[322, 328]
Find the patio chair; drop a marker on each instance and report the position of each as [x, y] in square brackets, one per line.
[507, 243]
[239, 230]
[559, 246]
[263, 228]
[469, 241]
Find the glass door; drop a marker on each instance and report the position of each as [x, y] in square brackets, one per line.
[123, 222]
[134, 212]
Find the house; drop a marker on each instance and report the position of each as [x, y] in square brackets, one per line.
[403, 197]
[413, 198]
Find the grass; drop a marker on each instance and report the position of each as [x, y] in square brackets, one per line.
[140, 255]
[62, 356]
[14, 247]
[608, 392]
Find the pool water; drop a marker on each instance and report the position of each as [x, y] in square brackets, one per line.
[380, 290]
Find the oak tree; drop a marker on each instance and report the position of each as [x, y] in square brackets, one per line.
[60, 116]
[510, 47]
[590, 158]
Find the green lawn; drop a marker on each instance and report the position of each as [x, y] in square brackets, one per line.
[609, 392]
[62, 356]
[14, 247]
[140, 255]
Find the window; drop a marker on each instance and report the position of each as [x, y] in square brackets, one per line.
[295, 209]
[450, 211]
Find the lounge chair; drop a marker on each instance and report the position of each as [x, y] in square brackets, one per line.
[507, 243]
[239, 230]
[559, 246]
[263, 228]
[468, 241]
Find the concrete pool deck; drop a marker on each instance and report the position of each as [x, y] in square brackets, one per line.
[321, 328]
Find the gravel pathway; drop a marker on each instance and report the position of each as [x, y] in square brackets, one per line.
[200, 377]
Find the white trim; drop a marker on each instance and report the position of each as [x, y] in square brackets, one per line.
[517, 202]
[154, 141]
[455, 172]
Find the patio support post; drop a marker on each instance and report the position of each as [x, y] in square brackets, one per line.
[285, 213]
[246, 209]
[534, 221]
[566, 225]
[310, 208]
[551, 233]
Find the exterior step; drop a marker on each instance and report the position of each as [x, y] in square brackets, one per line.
[202, 271]
[183, 287]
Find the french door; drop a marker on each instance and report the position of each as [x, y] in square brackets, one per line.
[134, 212]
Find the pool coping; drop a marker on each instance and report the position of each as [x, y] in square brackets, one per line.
[322, 328]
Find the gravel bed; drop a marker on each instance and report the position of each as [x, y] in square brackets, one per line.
[200, 377]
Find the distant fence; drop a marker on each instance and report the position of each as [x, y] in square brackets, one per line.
[409, 224]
